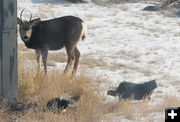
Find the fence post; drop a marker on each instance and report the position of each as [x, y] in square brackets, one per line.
[8, 50]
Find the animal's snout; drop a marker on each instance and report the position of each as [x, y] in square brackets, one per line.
[25, 37]
[111, 92]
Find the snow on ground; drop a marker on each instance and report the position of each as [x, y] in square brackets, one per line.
[123, 43]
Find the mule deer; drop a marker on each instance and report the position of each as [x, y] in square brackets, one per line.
[53, 34]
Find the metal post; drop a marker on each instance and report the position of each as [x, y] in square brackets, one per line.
[8, 50]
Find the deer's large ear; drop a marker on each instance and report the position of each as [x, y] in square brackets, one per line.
[34, 22]
[19, 21]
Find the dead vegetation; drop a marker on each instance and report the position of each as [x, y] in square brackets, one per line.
[168, 101]
[41, 88]
[91, 106]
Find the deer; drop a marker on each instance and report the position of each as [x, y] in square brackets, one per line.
[53, 34]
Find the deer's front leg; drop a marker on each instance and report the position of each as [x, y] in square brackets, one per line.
[38, 54]
[44, 53]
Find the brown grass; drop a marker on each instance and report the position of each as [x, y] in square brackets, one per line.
[58, 57]
[91, 107]
[169, 101]
[41, 88]
[123, 108]
[128, 109]
[92, 62]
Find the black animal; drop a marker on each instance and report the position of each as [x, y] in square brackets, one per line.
[22, 106]
[59, 104]
[128, 90]
[53, 34]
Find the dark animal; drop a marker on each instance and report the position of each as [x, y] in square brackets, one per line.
[21, 107]
[59, 104]
[128, 90]
[53, 34]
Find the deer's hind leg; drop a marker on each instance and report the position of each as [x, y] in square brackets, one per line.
[70, 53]
[77, 57]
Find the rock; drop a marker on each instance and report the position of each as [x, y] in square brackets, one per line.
[151, 8]
[163, 5]
[77, 1]
[136, 91]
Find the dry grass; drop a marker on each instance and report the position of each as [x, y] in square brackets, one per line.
[92, 62]
[123, 108]
[58, 57]
[91, 107]
[169, 101]
[41, 88]
[129, 109]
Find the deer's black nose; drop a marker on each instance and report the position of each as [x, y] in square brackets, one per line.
[25, 37]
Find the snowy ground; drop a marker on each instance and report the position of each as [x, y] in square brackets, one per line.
[123, 43]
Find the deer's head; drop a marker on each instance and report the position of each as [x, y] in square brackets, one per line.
[25, 27]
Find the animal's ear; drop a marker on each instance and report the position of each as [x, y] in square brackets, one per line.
[19, 21]
[34, 22]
